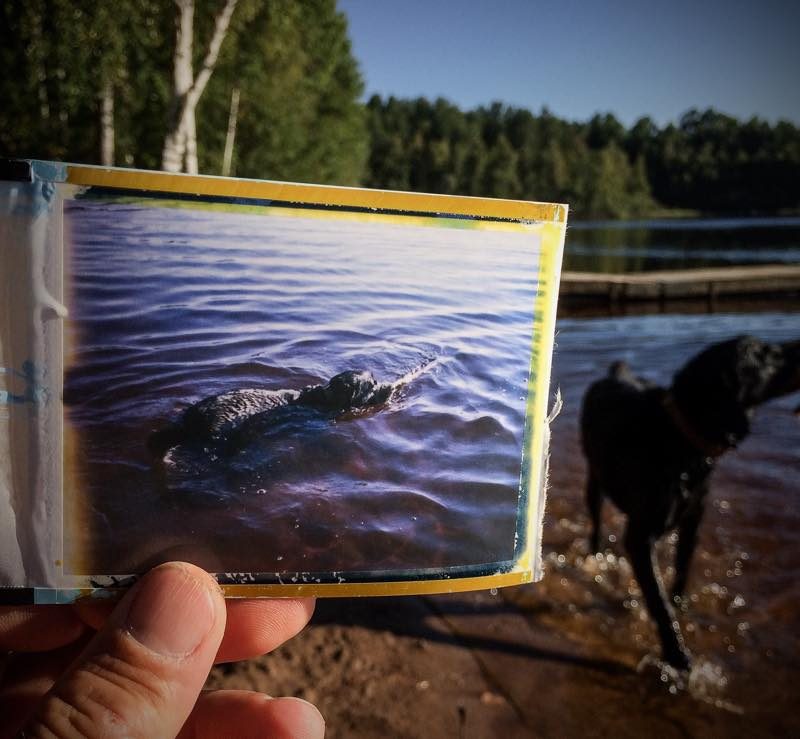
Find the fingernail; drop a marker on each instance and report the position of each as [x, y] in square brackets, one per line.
[172, 611]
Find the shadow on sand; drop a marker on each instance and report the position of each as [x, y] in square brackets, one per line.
[461, 620]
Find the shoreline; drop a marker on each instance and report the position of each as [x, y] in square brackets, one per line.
[678, 216]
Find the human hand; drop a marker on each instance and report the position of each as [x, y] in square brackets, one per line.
[141, 674]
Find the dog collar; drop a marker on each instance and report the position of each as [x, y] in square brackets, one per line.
[690, 433]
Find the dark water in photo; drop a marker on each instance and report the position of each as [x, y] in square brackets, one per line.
[170, 306]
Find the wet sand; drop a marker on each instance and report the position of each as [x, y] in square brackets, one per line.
[576, 655]
[478, 666]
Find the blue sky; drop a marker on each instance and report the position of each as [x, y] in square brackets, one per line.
[578, 58]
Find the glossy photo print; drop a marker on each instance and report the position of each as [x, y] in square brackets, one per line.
[301, 396]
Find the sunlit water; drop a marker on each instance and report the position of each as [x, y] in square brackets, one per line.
[173, 305]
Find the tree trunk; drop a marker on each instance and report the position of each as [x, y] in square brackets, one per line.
[180, 145]
[191, 144]
[174, 152]
[107, 125]
[41, 72]
[231, 135]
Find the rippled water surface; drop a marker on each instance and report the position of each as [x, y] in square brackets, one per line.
[172, 305]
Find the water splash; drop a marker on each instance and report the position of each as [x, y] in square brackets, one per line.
[705, 681]
[426, 366]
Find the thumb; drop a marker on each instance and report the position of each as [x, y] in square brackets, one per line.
[141, 675]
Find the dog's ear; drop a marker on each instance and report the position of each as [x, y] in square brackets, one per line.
[313, 396]
[348, 390]
[363, 389]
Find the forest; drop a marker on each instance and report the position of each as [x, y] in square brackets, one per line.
[708, 162]
[272, 90]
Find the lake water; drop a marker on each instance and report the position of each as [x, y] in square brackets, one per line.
[681, 244]
[744, 614]
[169, 306]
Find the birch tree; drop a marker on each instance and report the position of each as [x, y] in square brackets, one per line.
[105, 28]
[107, 124]
[180, 145]
[94, 81]
[299, 116]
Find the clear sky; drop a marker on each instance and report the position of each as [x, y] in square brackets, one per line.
[656, 58]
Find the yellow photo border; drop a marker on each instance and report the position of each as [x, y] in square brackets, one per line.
[546, 219]
[323, 195]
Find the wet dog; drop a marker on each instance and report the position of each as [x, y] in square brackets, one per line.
[651, 450]
[226, 420]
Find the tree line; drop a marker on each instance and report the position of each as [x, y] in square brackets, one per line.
[272, 90]
[709, 161]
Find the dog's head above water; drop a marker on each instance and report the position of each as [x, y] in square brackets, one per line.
[719, 388]
[346, 391]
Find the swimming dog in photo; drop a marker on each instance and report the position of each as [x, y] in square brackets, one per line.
[228, 419]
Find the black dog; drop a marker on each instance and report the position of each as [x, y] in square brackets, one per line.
[227, 419]
[651, 450]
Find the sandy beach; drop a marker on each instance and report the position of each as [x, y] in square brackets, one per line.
[476, 666]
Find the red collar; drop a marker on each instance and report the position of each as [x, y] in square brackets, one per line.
[689, 431]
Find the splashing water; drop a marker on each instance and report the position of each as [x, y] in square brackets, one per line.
[706, 681]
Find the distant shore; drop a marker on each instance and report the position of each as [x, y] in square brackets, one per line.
[682, 214]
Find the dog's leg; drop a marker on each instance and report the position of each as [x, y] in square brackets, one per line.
[642, 554]
[687, 541]
[594, 499]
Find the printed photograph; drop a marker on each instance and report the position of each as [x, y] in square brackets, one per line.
[294, 395]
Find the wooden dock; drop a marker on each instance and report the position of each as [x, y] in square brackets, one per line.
[766, 281]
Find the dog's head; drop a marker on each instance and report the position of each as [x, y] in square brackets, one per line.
[719, 387]
[346, 391]
[350, 389]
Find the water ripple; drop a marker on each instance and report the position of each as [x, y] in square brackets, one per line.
[167, 315]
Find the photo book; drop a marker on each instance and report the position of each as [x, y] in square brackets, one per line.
[303, 389]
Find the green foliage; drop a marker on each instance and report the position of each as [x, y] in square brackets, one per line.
[299, 116]
[713, 162]
[57, 55]
[709, 162]
[504, 152]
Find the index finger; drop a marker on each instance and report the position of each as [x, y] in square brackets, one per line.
[257, 626]
[38, 628]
